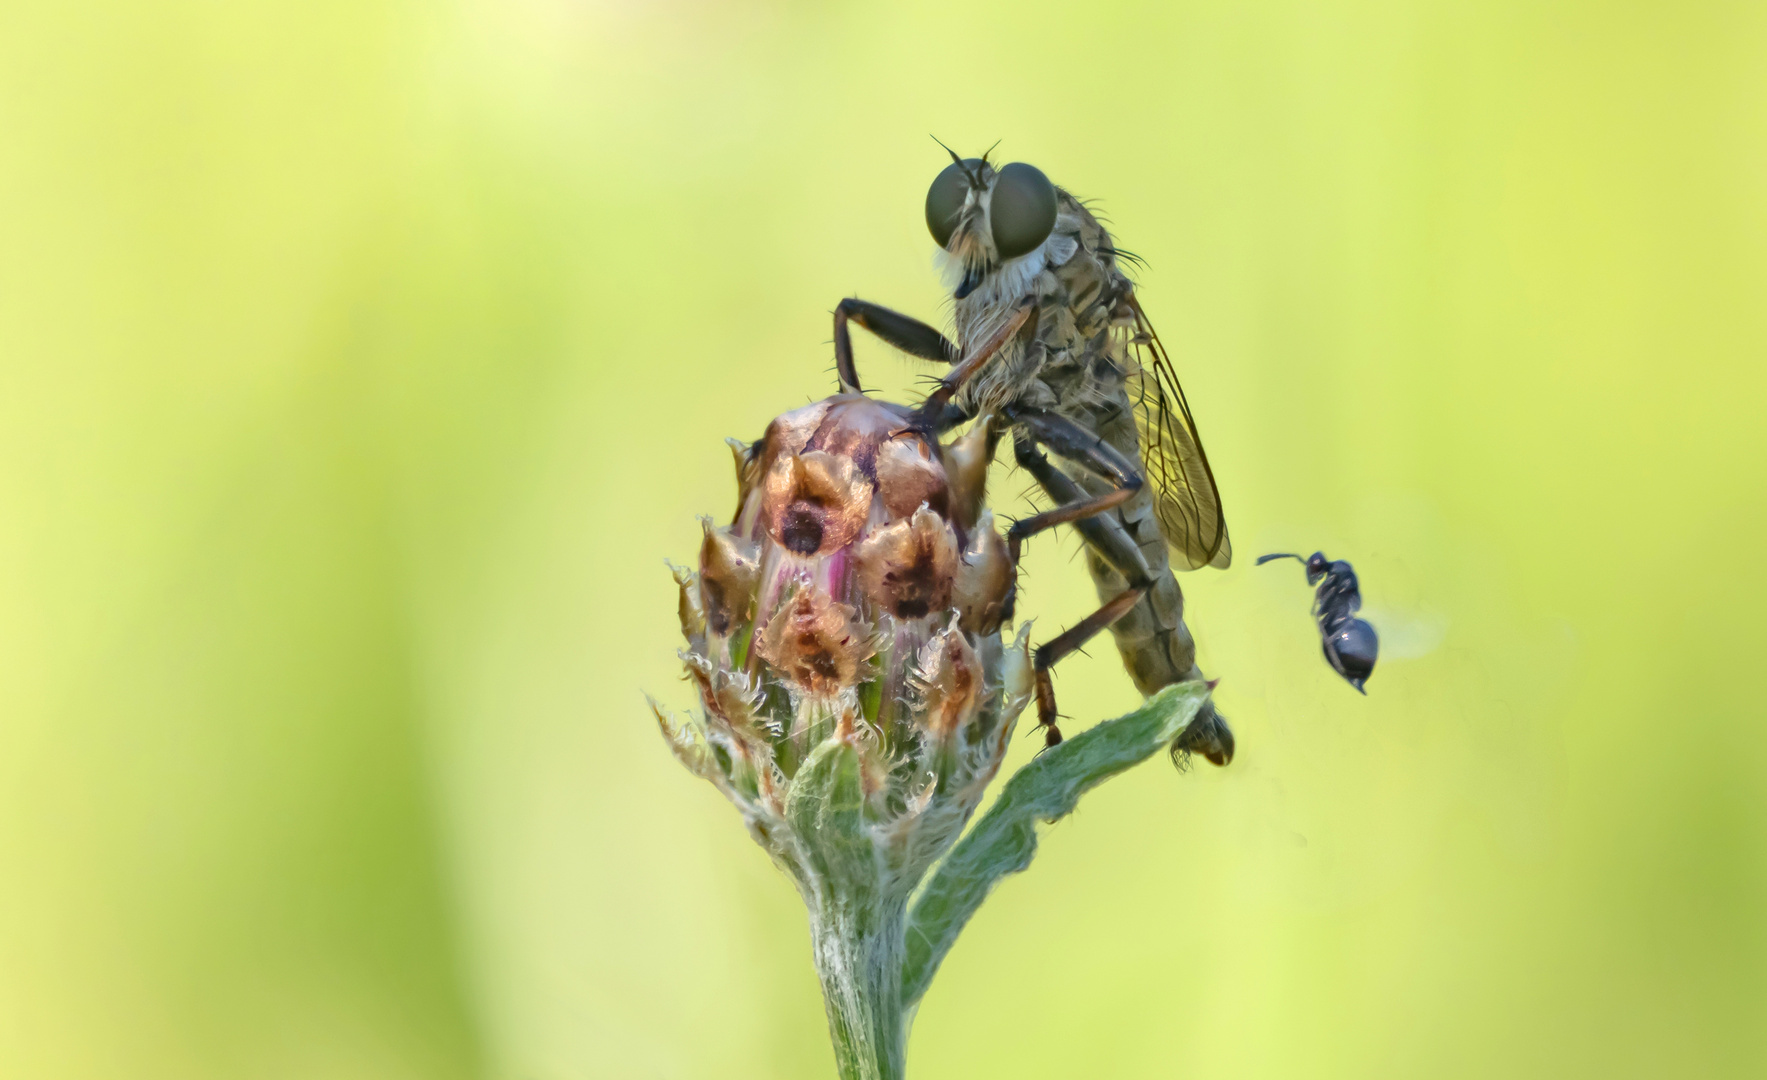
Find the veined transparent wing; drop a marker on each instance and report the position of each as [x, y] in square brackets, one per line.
[1185, 499]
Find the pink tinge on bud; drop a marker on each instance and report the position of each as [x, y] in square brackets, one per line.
[909, 568]
[728, 575]
[815, 643]
[814, 503]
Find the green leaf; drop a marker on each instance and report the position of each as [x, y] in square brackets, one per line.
[1004, 840]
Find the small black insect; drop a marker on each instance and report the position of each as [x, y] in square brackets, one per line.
[1349, 643]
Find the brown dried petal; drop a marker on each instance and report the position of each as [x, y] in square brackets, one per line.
[814, 503]
[691, 613]
[908, 474]
[984, 578]
[966, 470]
[949, 678]
[688, 746]
[729, 697]
[790, 432]
[815, 643]
[728, 574]
[748, 469]
[908, 568]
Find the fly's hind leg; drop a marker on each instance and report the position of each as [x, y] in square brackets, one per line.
[904, 332]
[1085, 512]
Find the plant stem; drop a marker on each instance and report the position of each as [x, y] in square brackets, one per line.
[859, 952]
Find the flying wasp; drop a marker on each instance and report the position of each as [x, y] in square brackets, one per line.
[1349, 643]
[1052, 339]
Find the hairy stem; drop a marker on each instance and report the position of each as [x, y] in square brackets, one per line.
[859, 951]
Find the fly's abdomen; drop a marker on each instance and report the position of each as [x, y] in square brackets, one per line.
[1156, 646]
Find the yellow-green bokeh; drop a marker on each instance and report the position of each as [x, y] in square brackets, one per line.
[361, 362]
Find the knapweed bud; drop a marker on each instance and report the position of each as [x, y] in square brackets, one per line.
[853, 607]
[856, 697]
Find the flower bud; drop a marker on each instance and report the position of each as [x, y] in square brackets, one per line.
[843, 637]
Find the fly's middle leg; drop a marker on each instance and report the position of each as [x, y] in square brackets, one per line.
[918, 339]
[1086, 513]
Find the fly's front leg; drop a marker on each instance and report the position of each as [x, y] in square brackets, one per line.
[1021, 321]
[1086, 513]
[908, 334]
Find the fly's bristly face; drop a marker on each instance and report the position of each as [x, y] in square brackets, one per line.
[983, 218]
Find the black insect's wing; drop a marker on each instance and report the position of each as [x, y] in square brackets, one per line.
[1185, 499]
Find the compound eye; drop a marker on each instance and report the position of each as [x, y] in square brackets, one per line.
[1022, 210]
[944, 200]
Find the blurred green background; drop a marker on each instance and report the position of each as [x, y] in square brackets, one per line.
[360, 362]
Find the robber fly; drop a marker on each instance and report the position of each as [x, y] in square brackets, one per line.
[1052, 340]
[1349, 643]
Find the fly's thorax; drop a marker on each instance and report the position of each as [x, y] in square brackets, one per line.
[1076, 358]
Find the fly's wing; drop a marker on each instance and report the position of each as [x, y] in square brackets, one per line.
[1185, 499]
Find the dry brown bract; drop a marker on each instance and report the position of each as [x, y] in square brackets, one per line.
[727, 578]
[908, 476]
[814, 503]
[816, 643]
[950, 682]
[908, 568]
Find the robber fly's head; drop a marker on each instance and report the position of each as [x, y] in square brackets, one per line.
[983, 216]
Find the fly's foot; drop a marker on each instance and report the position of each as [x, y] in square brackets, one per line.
[1046, 714]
